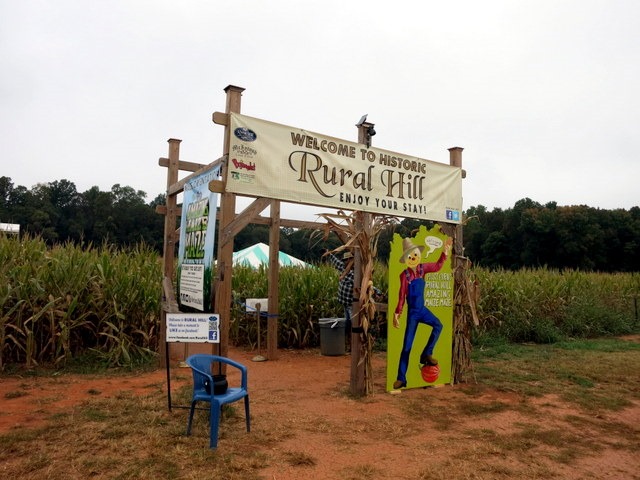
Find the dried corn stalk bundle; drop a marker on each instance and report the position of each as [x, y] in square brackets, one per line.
[465, 299]
[361, 231]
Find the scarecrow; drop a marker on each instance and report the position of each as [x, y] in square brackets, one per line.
[412, 286]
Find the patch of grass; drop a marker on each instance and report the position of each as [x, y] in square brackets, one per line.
[151, 467]
[599, 345]
[383, 426]
[609, 428]
[440, 415]
[38, 461]
[131, 437]
[361, 472]
[93, 414]
[47, 400]
[15, 394]
[596, 401]
[479, 408]
[586, 373]
[458, 470]
[531, 441]
[299, 459]
[318, 424]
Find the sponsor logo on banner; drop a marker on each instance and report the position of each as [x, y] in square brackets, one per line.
[244, 151]
[242, 177]
[453, 215]
[245, 134]
[240, 164]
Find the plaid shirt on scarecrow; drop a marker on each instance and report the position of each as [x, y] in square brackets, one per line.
[345, 286]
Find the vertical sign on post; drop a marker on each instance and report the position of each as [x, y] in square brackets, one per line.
[197, 235]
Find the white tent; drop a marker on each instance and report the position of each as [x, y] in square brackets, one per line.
[258, 254]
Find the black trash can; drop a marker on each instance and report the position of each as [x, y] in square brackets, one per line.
[332, 340]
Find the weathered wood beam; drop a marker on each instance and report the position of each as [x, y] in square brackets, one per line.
[186, 166]
[179, 186]
[220, 118]
[289, 223]
[229, 231]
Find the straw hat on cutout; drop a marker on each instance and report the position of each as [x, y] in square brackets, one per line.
[408, 246]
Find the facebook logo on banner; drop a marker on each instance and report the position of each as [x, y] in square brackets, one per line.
[214, 329]
[453, 215]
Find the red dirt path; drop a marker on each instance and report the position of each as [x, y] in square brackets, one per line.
[378, 431]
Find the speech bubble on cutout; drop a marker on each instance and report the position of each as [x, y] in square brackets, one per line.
[432, 243]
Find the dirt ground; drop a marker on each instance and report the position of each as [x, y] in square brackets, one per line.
[411, 435]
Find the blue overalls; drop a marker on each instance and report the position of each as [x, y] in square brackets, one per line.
[417, 313]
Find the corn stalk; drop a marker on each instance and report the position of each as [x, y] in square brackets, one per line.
[465, 299]
[360, 231]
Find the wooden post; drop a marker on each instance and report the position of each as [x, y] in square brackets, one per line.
[226, 216]
[169, 249]
[457, 265]
[455, 160]
[274, 281]
[357, 381]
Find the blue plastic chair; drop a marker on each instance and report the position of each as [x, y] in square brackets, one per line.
[201, 368]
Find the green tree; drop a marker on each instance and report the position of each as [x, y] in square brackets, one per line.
[99, 214]
[6, 189]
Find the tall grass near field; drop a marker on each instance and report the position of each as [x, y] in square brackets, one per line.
[68, 301]
[544, 306]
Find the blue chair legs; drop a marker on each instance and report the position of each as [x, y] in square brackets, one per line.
[215, 413]
[246, 413]
[191, 411]
[214, 424]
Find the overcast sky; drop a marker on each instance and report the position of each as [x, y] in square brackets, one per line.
[544, 95]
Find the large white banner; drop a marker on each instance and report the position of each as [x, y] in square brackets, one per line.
[286, 163]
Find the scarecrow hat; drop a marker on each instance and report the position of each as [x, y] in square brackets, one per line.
[407, 246]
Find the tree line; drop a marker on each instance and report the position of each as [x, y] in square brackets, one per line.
[559, 237]
[58, 213]
[528, 235]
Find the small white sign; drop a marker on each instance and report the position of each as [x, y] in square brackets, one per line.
[193, 327]
[252, 303]
[192, 285]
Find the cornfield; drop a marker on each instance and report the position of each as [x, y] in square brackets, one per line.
[544, 305]
[58, 304]
[67, 301]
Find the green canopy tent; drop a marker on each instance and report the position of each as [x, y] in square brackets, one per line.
[258, 254]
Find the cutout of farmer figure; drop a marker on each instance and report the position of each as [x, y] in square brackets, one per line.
[412, 286]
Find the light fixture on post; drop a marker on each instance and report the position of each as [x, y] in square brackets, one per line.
[365, 130]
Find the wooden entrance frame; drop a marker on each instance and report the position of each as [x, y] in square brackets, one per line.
[230, 224]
